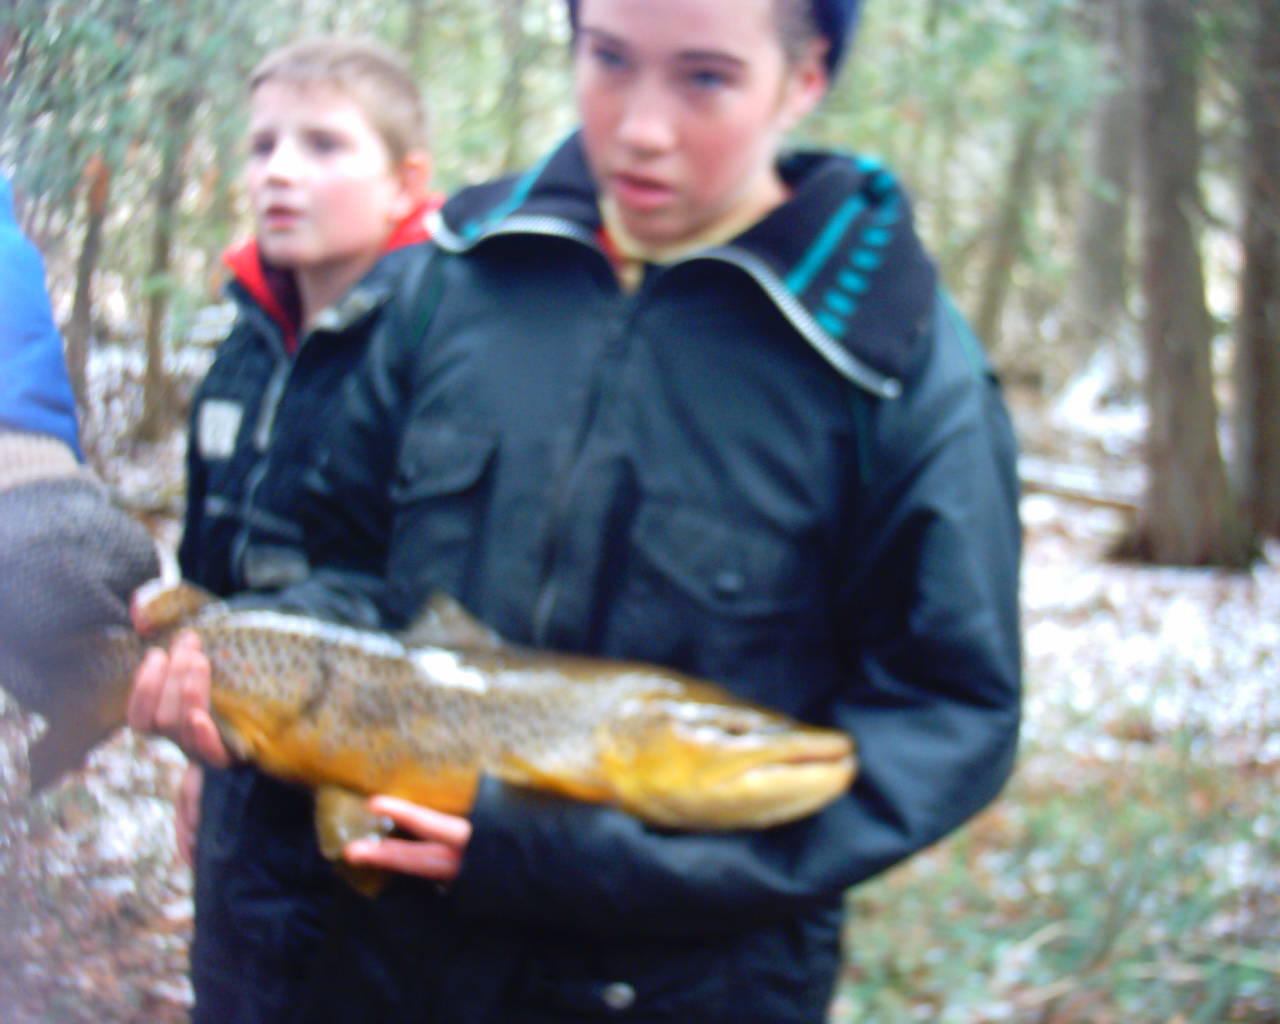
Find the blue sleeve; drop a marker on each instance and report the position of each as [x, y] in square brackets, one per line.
[35, 390]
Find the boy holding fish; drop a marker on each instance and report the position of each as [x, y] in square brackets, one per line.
[688, 398]
[337, 181]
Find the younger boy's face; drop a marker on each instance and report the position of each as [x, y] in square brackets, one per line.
[324, 192]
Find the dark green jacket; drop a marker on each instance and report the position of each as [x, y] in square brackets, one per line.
[782, 464]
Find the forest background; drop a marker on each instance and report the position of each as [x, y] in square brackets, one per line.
[1100, 182]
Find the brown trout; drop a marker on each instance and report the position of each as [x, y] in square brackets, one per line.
[423, 716]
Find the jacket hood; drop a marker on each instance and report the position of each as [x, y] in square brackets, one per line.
[841, 258]
[273, 288]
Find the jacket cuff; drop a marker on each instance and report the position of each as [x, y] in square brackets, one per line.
[25, 458]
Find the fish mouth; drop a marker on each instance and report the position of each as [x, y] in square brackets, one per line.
[812, 748]
[819, 765]
[780, 791]
[837, 752]
[751, 793]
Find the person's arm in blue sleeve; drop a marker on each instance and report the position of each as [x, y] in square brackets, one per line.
[930, 612]
[35, 390]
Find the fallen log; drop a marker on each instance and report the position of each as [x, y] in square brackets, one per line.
[1122, 492]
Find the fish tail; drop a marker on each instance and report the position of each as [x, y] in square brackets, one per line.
[162, 604]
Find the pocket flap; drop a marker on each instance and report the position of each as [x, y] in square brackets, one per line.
[728, 566]
[440, 458]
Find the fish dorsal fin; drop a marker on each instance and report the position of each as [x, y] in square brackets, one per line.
[162, 603]
[443, 622]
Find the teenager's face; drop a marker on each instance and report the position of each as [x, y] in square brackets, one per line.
[324, 191]
[683, 105]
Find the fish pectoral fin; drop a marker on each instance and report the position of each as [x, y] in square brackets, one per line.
[365, 880]
[525, 772]
[341, 816]
[443, 622]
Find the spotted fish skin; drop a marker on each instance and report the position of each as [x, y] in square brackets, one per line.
[324, 704]
[425, 717]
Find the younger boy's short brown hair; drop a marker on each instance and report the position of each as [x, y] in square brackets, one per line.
[372, 74]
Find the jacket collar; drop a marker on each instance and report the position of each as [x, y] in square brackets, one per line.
[273, 290]
[841, 258]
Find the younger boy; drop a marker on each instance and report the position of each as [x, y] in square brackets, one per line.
[336, 176]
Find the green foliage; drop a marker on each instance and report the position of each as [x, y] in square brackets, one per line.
[939, 90]
[1131, 887]
[98, 79]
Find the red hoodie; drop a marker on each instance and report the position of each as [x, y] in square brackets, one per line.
[274, 289]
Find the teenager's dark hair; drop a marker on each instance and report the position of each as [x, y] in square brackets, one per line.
[797, 27]
[799, 21]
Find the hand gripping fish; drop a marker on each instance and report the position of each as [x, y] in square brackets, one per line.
[424, 715]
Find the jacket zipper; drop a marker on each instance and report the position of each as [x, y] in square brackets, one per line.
[561, 499]
[269, 407]
[836, 355]
[262, 430]
[548, 589]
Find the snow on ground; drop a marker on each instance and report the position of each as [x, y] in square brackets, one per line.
[1119, 652]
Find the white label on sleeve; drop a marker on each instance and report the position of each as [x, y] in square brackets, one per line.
[217, 426]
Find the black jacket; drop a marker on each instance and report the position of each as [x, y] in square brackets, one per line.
[782, 464]
[261, 885]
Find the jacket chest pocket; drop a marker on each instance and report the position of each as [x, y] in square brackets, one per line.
[650, 981]
[727, 600]
[727, 569]
[439, 496]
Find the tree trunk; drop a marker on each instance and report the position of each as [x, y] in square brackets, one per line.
[1257, 368]
[515, 44]
[1099, 281]
[1007, 235]
[97, 177]
[416, 35]
[1187, 518]
[936, 150]
[155, 382]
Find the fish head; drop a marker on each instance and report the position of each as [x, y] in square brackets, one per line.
[697, 758]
